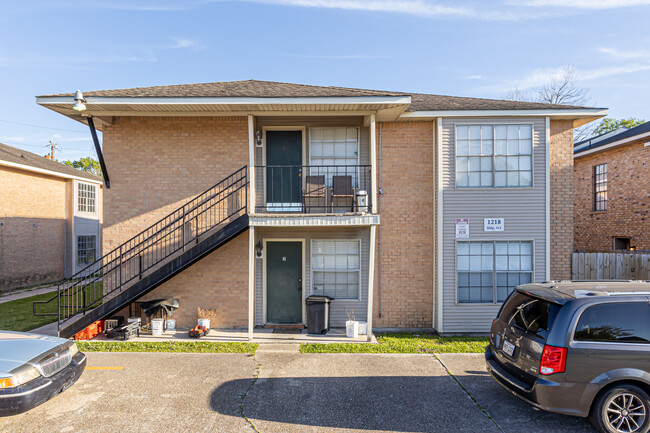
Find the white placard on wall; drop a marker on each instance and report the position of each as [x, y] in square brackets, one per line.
[462, 228]
[493, 224]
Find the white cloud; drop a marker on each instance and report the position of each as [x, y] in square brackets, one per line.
[625, 55]
[582, 4]
[183, 43]
[474, 77]
[541, 76]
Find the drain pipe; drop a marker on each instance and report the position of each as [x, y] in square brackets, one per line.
[379, 226]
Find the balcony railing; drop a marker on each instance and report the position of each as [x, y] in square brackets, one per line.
[319, 189]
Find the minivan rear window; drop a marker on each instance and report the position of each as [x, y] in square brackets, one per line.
[619, 322]
[531, 315]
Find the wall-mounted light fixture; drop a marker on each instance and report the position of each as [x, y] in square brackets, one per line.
[258, 250]
[258, 138]
[79, 101]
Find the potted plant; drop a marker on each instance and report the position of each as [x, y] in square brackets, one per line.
[205, 316]
[351, 326]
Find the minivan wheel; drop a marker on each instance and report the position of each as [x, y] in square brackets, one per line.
[622, 409]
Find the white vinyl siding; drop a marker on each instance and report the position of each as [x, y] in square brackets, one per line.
[494, 156]
[523, 210]
[336, 270]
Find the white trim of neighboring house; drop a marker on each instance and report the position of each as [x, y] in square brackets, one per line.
[612, 144]
[48, 172]
[562, 113]
[439, 205]
[264, 242]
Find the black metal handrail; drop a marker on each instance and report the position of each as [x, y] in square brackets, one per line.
[325, 189]
[143, 253]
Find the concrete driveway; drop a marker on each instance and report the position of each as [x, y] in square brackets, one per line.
[293, 393]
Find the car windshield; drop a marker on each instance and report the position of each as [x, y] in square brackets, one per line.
[531, 315]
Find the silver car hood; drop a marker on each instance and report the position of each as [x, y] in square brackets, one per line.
[18, 348]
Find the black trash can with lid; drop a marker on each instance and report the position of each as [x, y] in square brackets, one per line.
[318, 314]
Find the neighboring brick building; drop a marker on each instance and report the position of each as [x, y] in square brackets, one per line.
[41, 227]
[293, 221]
[612, 191]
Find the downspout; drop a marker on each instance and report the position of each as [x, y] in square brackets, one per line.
[98, 149]
[379, 226]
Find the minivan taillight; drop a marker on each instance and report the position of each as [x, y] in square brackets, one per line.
[553, 360]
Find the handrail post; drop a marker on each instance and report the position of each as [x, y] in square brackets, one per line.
[120, 286]
[183, 229]
[140, 264]
[58, 309]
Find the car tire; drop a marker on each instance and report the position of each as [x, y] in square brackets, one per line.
[623, 408]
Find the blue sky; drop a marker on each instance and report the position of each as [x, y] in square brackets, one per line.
[462, 47]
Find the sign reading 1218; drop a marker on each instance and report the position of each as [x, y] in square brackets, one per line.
[493, 224]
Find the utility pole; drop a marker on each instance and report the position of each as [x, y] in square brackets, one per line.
[53, 146]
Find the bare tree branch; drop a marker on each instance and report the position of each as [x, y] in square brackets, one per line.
[563, 89]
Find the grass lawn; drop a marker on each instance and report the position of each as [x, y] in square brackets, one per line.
[167, 346]
[405, 343]
[17, 315]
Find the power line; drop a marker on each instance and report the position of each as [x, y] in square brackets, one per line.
[43, 127]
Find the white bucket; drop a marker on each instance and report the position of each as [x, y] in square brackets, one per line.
[156, 327]
[205, 322]
[363, 328]
[171, 324]
[352, 329]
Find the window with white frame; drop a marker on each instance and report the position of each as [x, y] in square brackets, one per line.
[336, 268]
[333, 149]
[489, 156]
[488, 271]
[86, 198]
[86, 249]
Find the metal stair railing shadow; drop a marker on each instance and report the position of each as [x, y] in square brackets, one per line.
[149, 250]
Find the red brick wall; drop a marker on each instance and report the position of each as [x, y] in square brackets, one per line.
[628, 198]
[406, 225]
[156, 165]
[32, 233]
[561, 211]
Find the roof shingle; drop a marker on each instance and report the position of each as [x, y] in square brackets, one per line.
[19, 156]
[272, 89]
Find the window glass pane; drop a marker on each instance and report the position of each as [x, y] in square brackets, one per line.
[462, 163]
[462, 147]
[525, 131]
[475, 263]
[475, 248]
[500, 131]
[513, 248]
[512, 163]
[463, 294]
[462, 179]
[487, 248]
[526, 263]
[526, 147]
[486, 163]
[475, 164]
[500, 163]
[474, 179]
[486, 132]
[501, 247]
[475, 147]
[463, 279]
[513, 178]
[462, 132]
[486, 179]
[500, 147]
[462, 248]
[524, 163]
[524, 178]
[513, 131]
[513, 263]
[627, 322]
[474, 132]
[488, 263]
[526, 248]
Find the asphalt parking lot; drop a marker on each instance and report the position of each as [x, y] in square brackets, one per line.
[142, 392]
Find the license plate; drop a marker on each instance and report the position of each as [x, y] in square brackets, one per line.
[508, 348]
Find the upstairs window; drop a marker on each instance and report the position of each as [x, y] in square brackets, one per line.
[494, 156]
[334, 152]
[86, 198]
[600, 187]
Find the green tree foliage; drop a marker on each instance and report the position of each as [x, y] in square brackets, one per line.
[608, 124]
[88, 164]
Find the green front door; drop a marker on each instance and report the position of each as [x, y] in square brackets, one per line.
[284, 163]
[284, 282]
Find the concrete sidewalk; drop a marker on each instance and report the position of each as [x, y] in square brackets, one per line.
[26, 293]
[280, 390]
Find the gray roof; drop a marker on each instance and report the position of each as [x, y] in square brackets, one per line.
[630, 133]
[272, 89]
[19, 156]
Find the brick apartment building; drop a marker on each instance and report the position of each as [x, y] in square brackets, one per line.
[411, 210]
[612, 191]
[49, 219]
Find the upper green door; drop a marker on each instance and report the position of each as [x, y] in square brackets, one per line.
[284, 282]
[284, 163]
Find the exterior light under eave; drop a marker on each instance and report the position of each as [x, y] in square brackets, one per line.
[79, 101]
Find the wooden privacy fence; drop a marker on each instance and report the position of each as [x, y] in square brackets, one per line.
[610, 266]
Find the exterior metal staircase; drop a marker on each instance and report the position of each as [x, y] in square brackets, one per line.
[151, 257]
